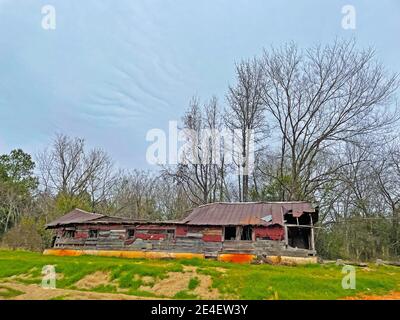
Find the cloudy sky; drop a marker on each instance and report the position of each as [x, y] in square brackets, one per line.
[114, 69]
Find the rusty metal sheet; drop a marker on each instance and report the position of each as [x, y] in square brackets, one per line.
[78, 216]
[75, 216]
[218, 214]
[249, 213]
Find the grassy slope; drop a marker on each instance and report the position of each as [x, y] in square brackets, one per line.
[238, 281]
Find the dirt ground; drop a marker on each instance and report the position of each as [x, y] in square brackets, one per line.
[36, 292]
[176, 282]
[389, 296]
[164, 288]
[94, 280]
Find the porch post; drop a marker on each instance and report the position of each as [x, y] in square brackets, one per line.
[286, 235]
[238, 233]
[312, 234]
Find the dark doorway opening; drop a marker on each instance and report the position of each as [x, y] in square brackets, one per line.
[299, 237]
[247, 233]
[230, 233]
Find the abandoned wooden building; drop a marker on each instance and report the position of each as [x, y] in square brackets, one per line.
[226, 231]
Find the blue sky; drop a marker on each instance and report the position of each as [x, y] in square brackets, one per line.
[112, 70]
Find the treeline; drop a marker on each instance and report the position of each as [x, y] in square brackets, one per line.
[67, 175]
[325, 129]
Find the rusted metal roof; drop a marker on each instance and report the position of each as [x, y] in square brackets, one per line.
[115, 220]
[246, 213]
[78, 216]
[220, 214]
[75, 216]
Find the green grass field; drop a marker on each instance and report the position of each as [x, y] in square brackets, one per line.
[191, 279]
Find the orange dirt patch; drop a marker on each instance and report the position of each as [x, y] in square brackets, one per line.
[394, 295]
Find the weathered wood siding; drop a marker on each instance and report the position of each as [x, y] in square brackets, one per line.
[176, 238]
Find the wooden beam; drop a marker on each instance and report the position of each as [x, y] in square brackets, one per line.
[286, 236]
[312, 239]
[312, 234]
[301, 226]
[238, 233]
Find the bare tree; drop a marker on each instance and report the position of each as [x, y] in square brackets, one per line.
[172, 202]
[245, 117]
[357, 212]
[387, 177]
[201, 168]
[135, 195]
[70, 169]
[320, 98]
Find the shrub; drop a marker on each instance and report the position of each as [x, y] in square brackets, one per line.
[28, 234]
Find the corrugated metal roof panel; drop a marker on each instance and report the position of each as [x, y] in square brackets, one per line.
[220, 213]
[245, 213]
[75, 216]
[78, 216]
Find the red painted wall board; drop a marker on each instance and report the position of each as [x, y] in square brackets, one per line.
[212, 238]
[272, 232]
[81, 235]
[150, 236]
[181, 231]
